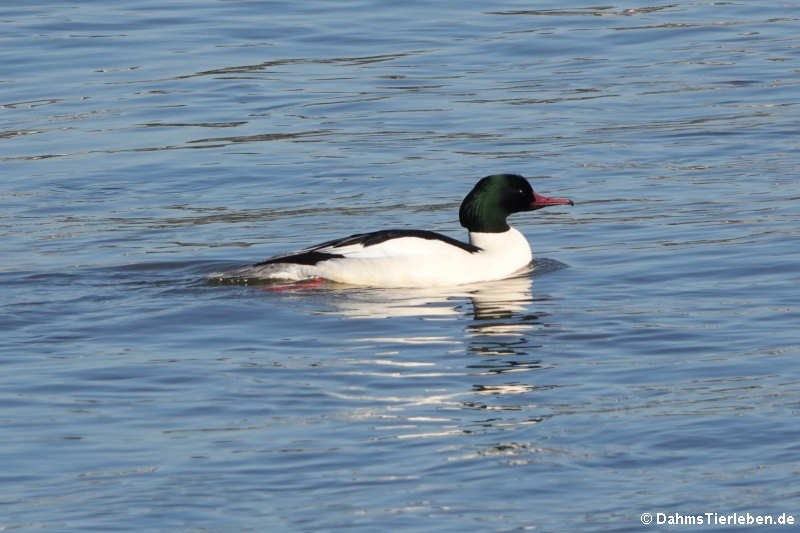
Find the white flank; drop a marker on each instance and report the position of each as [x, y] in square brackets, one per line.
[407, 262]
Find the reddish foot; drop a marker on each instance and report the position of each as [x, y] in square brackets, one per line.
[310, 284]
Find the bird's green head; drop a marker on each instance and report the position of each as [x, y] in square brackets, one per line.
[495, 197]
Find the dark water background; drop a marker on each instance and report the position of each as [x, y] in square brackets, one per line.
[145, 144]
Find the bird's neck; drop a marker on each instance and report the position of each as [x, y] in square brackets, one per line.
[497, 241]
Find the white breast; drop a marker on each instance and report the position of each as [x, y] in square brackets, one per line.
[502, 253]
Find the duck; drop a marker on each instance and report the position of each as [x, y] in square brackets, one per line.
[395, 258]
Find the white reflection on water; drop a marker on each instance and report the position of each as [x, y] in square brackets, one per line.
[492, 299]
[414, 382]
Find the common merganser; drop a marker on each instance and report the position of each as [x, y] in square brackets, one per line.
[420, 258]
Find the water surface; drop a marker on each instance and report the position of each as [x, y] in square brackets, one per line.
[145, 145]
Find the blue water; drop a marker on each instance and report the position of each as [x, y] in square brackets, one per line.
[650, 364]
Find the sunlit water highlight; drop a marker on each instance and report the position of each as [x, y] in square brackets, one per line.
[652, 369]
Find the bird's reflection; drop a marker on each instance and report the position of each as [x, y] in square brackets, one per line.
[496, 299]
[493, 326]
[490, 301]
